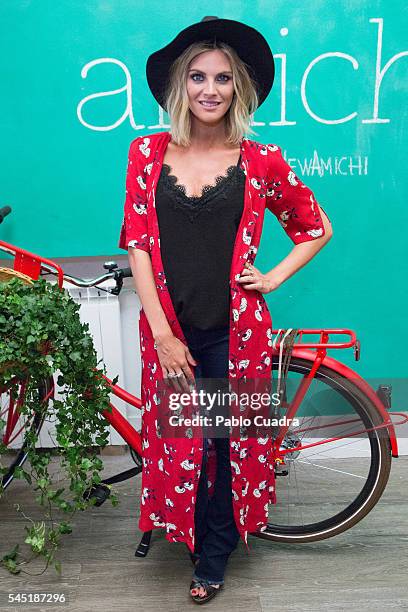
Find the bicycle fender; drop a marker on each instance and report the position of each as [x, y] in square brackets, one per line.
[362, 384]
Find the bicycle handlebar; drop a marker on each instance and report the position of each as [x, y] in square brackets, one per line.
[127, 272]
[4, 211]
[115, 273]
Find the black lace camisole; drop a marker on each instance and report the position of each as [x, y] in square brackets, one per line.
[197, 237]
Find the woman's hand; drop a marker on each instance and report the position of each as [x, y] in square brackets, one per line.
[252, 278]
[174, 358]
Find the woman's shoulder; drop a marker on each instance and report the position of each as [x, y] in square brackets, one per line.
[266, 156]
[144, 145]
[263, 148]
[147, 138]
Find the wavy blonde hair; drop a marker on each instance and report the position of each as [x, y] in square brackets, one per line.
[244, 103]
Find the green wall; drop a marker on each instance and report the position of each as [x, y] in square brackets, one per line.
[63, 162]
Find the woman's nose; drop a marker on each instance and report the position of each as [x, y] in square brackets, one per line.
[210, 87]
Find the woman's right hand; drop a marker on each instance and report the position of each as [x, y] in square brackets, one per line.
[175, 357]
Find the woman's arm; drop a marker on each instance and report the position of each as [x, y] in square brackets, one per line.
[299, 256]
[173, 355]
[304, 221]
[140, 263]
[134, 239]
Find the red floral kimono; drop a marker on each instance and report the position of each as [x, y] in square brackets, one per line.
[171, 466]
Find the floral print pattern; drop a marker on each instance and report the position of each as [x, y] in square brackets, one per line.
[171, 466]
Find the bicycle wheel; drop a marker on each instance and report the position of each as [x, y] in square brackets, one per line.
[15, 427]
[326, 489]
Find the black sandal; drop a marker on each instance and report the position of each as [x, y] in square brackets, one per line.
[211, 590]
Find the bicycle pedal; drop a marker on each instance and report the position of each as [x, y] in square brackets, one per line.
[99, 492]
[281, 469]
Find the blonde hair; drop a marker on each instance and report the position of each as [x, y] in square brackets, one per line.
[243, 105]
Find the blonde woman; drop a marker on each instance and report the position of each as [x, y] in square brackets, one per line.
[194, 209]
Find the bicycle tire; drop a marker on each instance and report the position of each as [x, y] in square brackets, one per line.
[379, 469]
[44, 388]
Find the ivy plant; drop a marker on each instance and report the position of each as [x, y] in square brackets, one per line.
[42, 337]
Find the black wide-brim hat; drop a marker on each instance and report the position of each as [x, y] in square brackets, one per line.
[249, 44]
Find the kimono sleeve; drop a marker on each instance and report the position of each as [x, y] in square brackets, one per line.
[134, 232]
[292, 202]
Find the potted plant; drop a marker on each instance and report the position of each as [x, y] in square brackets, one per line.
[43, 339]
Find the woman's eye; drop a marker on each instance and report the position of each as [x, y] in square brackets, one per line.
[223, 77]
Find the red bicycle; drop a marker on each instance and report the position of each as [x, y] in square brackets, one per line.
[332, 461]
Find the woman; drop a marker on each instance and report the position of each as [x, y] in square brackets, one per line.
[194, 208]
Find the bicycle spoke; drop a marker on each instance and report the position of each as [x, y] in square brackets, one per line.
[297, 489]
[325, 467]
[314, 453]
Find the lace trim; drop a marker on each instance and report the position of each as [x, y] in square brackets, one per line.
[219, 186]
[211, 194]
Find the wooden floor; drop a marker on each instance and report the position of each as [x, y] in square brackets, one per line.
[363, 569]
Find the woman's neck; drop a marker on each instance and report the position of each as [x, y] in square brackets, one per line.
[207, 137]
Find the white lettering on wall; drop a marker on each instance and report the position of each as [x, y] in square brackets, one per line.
[127, 89]
[379, 74]
[282, 121]
[318, 59]
[333, 55]
[344, 165]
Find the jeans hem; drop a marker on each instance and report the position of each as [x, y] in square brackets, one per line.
[208, 580]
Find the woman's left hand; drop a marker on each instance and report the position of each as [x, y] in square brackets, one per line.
[252, 279]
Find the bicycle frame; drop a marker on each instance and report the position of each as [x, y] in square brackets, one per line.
[13, 410]
[319, 357]
[32, 265]
[132, 437]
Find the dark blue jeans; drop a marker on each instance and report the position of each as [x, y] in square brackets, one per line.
[216, 534]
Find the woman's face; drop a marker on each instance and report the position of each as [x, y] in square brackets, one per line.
[209, 79]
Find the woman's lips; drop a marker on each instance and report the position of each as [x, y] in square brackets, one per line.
[209, 104]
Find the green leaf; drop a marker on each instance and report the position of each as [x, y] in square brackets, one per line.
[36, 542]
[86, 464]
[12, 554]
[114, 499]
[42, 482]
[11, 566]
[18, 472]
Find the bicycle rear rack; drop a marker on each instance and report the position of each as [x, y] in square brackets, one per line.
[324, 339]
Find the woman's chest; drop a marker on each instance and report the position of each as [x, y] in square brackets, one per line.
[218, 209]
[197, 173]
